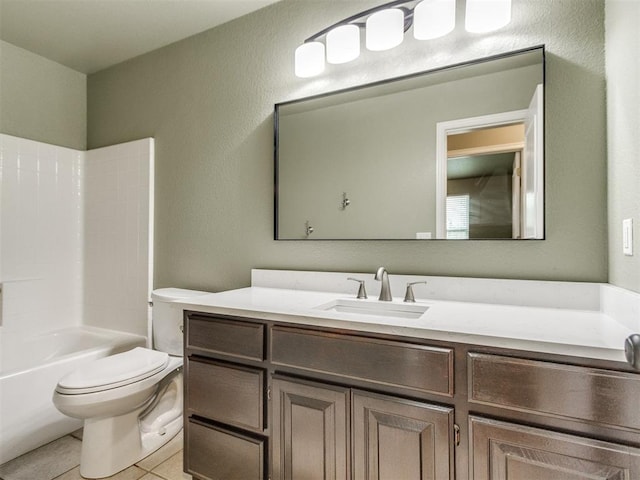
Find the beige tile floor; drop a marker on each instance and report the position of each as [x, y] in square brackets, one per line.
[60, 460]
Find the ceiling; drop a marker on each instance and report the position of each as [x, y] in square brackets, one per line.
[91, 35]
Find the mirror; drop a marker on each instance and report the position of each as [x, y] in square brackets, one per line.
[454, 153]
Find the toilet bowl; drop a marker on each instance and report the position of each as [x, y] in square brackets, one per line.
[131, 402]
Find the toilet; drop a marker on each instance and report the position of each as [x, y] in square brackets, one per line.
[131, 402]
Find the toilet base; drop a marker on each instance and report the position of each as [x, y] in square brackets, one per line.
[112, 444]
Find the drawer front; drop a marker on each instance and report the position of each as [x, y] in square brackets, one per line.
[229, 394]
[415, 367]
[594, 395]
[217, 454]
[228, 337]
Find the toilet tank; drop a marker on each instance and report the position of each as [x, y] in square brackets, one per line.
[166, 318]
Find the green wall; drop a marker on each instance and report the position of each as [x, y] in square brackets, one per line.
[41, 100]
[623, 116]
[208, 102]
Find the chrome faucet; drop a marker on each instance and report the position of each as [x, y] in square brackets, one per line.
[385, 290]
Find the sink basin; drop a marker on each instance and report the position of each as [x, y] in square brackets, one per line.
[381, 309]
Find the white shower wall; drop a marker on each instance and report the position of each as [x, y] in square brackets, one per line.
[41, 213]
[118, 233]
[75, 236]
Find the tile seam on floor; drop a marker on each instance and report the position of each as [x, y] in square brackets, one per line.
[64, 473]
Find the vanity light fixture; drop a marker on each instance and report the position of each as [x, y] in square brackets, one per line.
[433, 19]
[385, 29]
[343, 44]
[310, 59]
[482, 16]
[386, 25]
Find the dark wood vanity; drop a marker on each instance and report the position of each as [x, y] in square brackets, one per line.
[271, 400]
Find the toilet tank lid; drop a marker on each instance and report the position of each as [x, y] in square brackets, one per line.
[174, 294]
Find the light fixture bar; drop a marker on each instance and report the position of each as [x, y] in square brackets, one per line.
[359, 18]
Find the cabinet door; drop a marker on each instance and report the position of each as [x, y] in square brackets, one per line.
[310, 431]
[505, 451]
[400, 439]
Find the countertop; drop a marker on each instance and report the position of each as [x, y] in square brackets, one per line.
[561, 331]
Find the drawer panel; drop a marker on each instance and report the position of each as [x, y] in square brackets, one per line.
[415, 367]
[228, 337]
[218, 454]
[594, 395]
[229, 394]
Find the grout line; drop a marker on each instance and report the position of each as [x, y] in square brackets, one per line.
[64, 473]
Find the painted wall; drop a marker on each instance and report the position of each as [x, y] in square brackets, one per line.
[208, 102]
[41, 100]
[623, 125]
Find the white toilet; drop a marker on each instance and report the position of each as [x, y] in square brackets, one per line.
[131, 402]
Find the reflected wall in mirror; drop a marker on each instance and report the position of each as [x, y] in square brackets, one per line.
[401, 159]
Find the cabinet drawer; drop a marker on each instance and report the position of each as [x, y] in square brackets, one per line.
[218, 454]
[228, 337]
[229, 394]
[594, 395]
[415, 367]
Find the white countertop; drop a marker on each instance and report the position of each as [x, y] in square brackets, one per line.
[563, 331]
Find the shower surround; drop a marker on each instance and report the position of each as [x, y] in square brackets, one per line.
[76, 231]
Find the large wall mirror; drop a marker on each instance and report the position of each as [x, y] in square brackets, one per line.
[454, 153]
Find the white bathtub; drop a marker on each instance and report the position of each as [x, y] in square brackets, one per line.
[30, 368]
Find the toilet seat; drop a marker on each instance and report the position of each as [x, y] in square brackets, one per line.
[114, 371]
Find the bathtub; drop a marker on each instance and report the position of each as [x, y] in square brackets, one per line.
[30, 368]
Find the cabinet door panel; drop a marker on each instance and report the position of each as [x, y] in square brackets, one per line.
[400, 439]
[310, 431]
[505, 451]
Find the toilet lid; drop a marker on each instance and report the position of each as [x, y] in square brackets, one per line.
[114, 371]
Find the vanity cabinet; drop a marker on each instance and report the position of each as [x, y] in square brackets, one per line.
[268, 400]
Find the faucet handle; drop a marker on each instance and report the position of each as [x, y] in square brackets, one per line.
[362, 293]
[408, 296]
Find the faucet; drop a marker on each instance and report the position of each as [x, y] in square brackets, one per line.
[385, 291]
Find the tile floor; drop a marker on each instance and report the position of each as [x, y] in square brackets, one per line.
[60, 460]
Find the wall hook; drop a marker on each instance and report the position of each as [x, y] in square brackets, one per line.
[345, 201]
[308, 228]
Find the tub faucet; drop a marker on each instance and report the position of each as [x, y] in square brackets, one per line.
[385, 290]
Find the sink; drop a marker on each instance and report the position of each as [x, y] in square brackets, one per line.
[381, 309]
